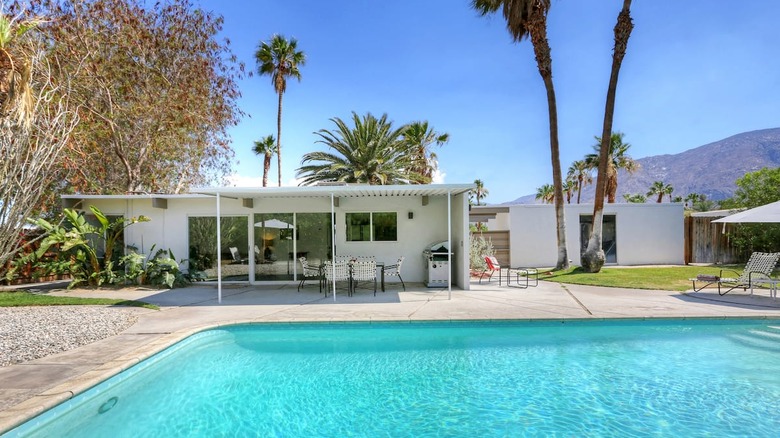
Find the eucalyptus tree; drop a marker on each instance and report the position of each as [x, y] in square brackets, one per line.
[617, 158]
[659, 189]
[546, 193]
[420, 138]
[266, 148]
[156, 90]
[371, 151]
[280, 59]
[593, 258]
[528, 18]
[580, 171]
[479, 192]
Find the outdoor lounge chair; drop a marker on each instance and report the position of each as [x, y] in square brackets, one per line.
[492, 266]
[759, 266]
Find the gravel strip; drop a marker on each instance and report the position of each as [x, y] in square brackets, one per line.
[28, 333]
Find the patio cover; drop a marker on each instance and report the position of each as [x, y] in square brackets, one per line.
[769, 213]
[334, 191]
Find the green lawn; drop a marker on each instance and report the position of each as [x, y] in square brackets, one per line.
[659, 278]
[21, 298]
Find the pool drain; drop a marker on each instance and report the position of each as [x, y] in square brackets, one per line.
[110, 403]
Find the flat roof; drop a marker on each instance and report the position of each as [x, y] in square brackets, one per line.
[342, 191]
[320, 191]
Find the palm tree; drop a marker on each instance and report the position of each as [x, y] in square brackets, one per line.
[15, 68]
[267, 149]
[580, 172]
[569, 186]
[371, 152]
[635, 199]
[658, 188]
[528, 18]
[693, 198]
[617, 158]
[280, 59]
[479, 192]
[546, 193]
[593, 257]
[420, 138]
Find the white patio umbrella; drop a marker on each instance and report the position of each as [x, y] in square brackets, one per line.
[273, 223]
[769, 213]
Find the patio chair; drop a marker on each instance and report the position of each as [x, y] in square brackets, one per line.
[394, 271]
[308, 271]
[237, 260]
[492, 266]
[759, 267]
[363, 270]
[335, 272]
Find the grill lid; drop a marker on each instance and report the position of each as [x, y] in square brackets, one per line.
[437, 248]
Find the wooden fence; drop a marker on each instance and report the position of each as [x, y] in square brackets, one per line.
[705, 242]
[500, 241]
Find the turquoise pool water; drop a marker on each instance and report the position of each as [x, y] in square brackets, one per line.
[619, 378]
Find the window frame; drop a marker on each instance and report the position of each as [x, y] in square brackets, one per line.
[371, 226]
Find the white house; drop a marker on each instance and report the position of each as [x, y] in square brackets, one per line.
[265, 230]
[633, 234]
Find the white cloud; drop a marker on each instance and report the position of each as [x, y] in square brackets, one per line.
[438, 177]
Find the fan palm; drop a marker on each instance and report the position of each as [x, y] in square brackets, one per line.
[580, 172]
[546, 193]
[15, 70]
[371, 152]
[280, 59]
[479, 192]
[528, 18]
[617, 158]
[420, 138]
[267, 149]
[659, 188]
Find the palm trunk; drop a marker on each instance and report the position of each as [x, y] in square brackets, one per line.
[279, 138]
[266, 169]
[537, 27]
[579, 188]
[593, 258]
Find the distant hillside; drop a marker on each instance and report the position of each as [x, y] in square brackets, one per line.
[711, 169]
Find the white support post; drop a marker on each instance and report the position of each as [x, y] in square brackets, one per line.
[333, 243]
[219, 253]
[449, 243]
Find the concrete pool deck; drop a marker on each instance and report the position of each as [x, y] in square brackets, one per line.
[32, 387]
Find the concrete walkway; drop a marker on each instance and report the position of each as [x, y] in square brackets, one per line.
[32, 387]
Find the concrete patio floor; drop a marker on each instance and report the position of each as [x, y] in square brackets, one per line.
[33, 387]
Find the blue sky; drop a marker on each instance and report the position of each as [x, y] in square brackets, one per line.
[696, 71]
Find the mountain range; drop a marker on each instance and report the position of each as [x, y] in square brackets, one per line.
[711, 169]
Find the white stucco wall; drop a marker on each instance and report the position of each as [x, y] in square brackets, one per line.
[168, 228]
[646, 234]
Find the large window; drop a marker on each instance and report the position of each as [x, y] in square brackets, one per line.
[203, 247]
[367, 227]
[608, 236]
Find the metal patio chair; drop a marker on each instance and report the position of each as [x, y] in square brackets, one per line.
[363, 270]
[393, 271]
[308, 271]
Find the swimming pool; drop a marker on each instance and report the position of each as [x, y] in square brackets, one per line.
[626, 378]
